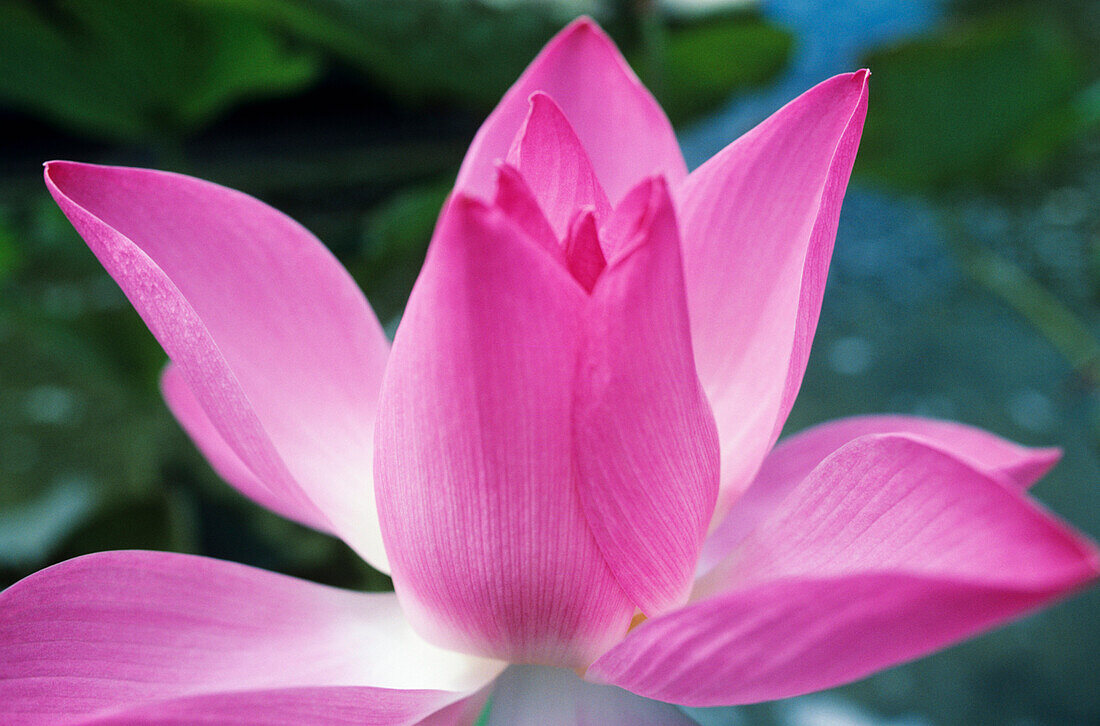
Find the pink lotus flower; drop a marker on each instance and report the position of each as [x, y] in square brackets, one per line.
[593, 368]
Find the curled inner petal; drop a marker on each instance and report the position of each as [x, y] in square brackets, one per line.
[582, 249]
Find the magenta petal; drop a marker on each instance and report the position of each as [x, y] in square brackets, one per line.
[188, 411]
[647, 448]
[627, 135]
[332, 706]
[888, 550]
[549, 156]
[758, 222]
[272, 337]
[517, 201]
[786, 638]
[582, 249]
[475, 480]
[122, 633]
[466, 712]
[1016, 465]
[795, 457]
[539, 696]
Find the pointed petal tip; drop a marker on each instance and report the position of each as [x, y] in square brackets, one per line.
[505, 170]
[585, 29]
[843, 88]
[583, 24]
[539, 97]
[651, 189]
[636, 213]
[51, 167]
[854, 82]
[652, 183]
[463, 208]
[1093, 561]
[1048, 454]
[465, 203]
[1036, 465]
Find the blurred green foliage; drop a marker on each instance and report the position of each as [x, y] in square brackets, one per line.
[469, 51]
[130, 70]
[72, 365]
[701, 66]
[983, 98]
[395, 235]
[423, 50]
[139, 71]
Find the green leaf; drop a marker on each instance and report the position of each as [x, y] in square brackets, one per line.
[135, 70]
[469, 52]
[706, 63]
[395, 238]
[463, 51]
[10, 257]
[982, 99]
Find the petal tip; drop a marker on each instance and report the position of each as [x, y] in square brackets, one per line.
[1048, 454]
[50, 167]
[1037, 464]
[504, 170]
[466, 203]
[583, 24]
[541, 98]
[53, 166]
[845, 87]
[583, 30]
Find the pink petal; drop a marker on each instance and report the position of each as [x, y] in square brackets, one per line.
[582, 249]
[272, 337]
[758, 222]
[188, 411]
[539, 696]
[475, 476]
[466, 712]
[647, 449]
[549, 156]
[795, 457]
[517, 201]
[627, 135]
[167, 638]
[789, 637]
[888, 550]
[331, 706]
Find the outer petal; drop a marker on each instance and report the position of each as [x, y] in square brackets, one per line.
[627, 135]
[475, 470]
[539, 696]
[517, 201]
[795, 457]
[647, 449]
[331, 706]
[886, 551]
[275, 341]
[758, 223]
[166, 638]
[189, 412]
[551, 159]
[466, 712]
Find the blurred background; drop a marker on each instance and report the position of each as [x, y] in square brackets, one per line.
[965, 283]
